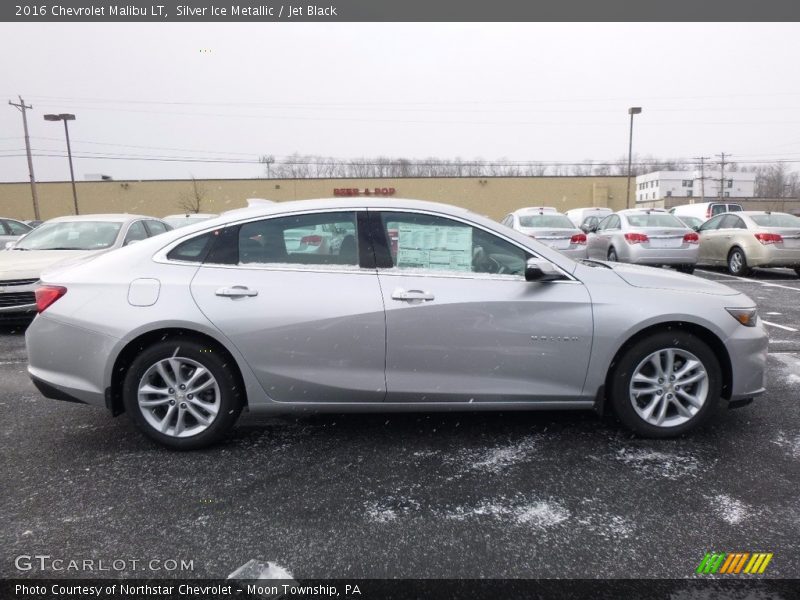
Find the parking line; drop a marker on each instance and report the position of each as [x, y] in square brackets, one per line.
[778, 326]
[744, 279]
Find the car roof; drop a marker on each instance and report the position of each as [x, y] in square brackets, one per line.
[110, 217]
[191, 215]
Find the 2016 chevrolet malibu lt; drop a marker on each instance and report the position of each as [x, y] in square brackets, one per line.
[421, 307]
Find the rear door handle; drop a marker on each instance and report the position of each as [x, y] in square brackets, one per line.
[411, 295]
[236, 291]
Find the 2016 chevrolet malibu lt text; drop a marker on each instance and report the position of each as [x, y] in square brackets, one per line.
[421, 306]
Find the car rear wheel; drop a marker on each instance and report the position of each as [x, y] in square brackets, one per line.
[666, 385]
[737, 263]
[612, 255]
[688, 269]
[182, 393]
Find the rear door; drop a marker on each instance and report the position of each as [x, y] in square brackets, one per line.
[463, 325]
[309, 320]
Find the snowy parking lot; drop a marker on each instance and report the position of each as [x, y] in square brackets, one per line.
[424, 496]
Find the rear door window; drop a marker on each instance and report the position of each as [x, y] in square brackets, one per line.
[136, 232]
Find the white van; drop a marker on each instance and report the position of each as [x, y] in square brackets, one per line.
[705, 210]
[595, 214]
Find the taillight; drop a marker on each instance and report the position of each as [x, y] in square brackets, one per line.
[311, 240]
[578, 238]
[47, 294]
[635, 238]
[768, 238]
[691, 238]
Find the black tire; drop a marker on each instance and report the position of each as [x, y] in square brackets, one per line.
[620, 380]
[688, 269]
[612, 255]
[230, 398]
[797, 270]
[740, 268]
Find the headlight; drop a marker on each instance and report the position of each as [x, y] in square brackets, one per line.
[745, 316]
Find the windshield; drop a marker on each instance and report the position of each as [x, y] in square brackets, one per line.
[71, 235]
[655, 220]
[776, 220]
[546, 221]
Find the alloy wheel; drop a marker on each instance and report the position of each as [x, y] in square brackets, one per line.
[669, 387]
[179, 397]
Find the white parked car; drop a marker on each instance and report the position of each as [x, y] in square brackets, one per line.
[585, 218]
[176, 221]
[11, 230]
[64, 239]
[705, 210]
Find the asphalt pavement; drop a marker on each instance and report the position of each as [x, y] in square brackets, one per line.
[540, 494]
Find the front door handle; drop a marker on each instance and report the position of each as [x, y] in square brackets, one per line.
[236, 291]
[412, 295]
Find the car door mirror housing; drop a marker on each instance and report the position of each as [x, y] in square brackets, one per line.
[541, 270]
[9, 245]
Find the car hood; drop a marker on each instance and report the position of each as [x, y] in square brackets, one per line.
[19, 264]
[664, 279]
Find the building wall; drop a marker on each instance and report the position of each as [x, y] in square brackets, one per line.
[491, 196]
[664, 184]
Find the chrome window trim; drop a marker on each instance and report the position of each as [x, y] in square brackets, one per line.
[161, 255]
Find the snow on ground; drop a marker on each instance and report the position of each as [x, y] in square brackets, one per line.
[536, 514]
[254, 569]
[730, 509]
[499, 458]
[789, 442]
[652, 463]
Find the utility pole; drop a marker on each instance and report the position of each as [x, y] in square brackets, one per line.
[702, 160]
[722, 173]
[22, 108]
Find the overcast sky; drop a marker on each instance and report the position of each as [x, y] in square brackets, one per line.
[539, 92]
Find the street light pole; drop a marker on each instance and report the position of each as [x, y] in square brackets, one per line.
[67, 117]
[633, 110]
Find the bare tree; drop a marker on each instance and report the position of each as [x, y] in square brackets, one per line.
[192, 201]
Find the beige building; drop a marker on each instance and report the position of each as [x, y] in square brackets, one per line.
[492, 196]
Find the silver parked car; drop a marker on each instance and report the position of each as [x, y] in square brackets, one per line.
[551, 228]
[747, 239]
[59, 240]
[644, 237]
[451, 311]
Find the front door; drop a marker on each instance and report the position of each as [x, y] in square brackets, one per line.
[463, 325]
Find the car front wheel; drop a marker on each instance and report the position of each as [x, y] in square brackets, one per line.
[737, 263]
[612, 255]
[666, 384]
[182, 393]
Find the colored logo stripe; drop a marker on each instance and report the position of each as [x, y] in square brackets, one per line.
[733, 562]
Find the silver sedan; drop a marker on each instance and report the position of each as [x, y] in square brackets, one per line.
[551, 228]
[423, 307]
[645, 237]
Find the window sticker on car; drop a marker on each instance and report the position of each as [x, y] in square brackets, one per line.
[434, 247]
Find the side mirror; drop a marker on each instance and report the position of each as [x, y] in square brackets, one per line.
[9, 245]
[131, 242]
[696, 227]
[537, 269]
